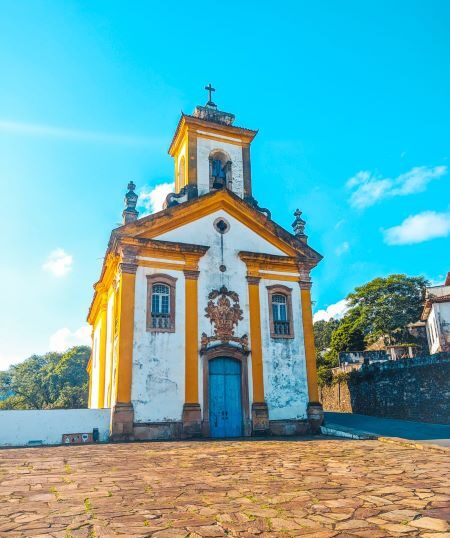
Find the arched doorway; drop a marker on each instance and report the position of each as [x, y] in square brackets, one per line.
[225, 398]
[225, 392]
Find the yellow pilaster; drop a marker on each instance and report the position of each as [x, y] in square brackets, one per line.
[89, 371]
[126, 331]
[308, 334]
[255, 337]
[191, 336]
[102, 353]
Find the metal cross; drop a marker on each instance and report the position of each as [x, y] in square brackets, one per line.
[210, 89]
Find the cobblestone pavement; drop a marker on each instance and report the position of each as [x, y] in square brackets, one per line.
[319, 488]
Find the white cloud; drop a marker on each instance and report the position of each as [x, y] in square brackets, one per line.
[46, 131]
[152, 199]
[7, 360]
[336, 311]
[59, 263]
[342, 248]
[419, 228]
[64, 338]
[369, 188]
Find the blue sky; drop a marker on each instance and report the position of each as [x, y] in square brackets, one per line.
[351, 100]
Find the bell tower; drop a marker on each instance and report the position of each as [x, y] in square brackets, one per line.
[210, 153]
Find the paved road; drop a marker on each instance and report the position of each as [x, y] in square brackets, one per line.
[438, 434]
[321, 488]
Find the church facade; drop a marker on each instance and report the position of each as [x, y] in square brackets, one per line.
[201, 318]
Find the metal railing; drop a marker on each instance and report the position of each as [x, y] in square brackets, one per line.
[281, 328]
[161, 321]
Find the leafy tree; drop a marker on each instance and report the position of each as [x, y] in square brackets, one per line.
[347, 337]
[382, 308]
[50, 381]
[323, 331]
[387, 305]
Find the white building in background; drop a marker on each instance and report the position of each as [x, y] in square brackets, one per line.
[436, 314]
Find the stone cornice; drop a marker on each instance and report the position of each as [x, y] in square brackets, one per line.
[191, 123]
[191, 274]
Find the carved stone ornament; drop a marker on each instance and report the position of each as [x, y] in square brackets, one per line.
[224, 312]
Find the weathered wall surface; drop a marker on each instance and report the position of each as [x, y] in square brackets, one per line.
[157, 389]
[284, 360]
[204, 147]
[411, 389]
[18, 428]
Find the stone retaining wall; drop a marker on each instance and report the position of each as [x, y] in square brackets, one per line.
[411, 389]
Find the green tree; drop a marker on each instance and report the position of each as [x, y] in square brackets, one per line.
[347, 337]
[323, 331]
[382, 308]
[386, 306]
[50, 381]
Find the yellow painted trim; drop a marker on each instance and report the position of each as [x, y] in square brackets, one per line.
[235, 142]
[191, 341]
[109, 272]
[255, 342]
[310, 352]
[126, 333]
[162, 265]
[285, 278]
[188, 124]
[102, 355]
[89, 371]
[208, 205]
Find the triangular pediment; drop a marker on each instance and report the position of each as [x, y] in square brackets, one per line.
[157, 224]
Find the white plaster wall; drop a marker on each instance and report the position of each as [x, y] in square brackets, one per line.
[204, 148]
[433, 342]
[95, 366]
[157, 389]
[444, 318]
[18, 428]
[238, 238]
[109, 347]
[285, 382]
[438, 324]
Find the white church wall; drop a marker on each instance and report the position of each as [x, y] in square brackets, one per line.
[22, 428]
[238, 238]
[204, 147]
[157, 390]
[285, 382]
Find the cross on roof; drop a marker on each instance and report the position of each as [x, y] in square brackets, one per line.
[210, 89]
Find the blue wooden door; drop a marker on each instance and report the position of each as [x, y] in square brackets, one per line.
[225, 401]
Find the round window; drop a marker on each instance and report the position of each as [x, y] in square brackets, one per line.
[221, 225]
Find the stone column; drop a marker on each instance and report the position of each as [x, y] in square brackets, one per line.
[122, 415]
[315, 411]
[260, 413]
[192, 415]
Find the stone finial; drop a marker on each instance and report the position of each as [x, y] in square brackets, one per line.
[299, 226]
[129, 213]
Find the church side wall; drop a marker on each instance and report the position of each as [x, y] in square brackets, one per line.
[109, 348]
[157, 390]
[95, 366]
[285, 381]
[204, 148]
